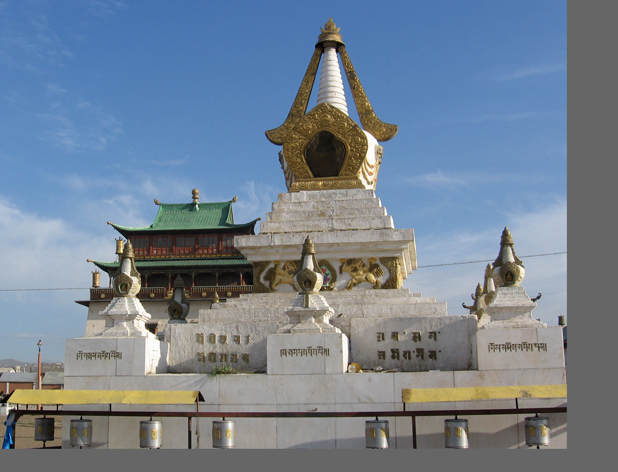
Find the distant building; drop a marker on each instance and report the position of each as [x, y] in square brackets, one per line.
[53, 381]
[193, 240]
[10, 381]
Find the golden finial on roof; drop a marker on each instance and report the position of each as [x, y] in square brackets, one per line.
[330, 32]
[235, 199]
[157, 202]
[196, 195]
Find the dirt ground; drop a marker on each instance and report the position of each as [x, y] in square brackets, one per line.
[24, 438]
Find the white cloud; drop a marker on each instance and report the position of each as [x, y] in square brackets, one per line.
[105, 8]
[74, 124]
[44, 252]
[254, 201]
[438, 180]
[531, 71]
[506, 117]
[172, 162]
[454, 182]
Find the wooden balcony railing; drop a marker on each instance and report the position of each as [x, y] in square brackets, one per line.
[161, 293]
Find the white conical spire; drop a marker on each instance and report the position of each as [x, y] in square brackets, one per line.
[331, 84]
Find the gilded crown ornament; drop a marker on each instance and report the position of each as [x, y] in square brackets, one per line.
[508, 269]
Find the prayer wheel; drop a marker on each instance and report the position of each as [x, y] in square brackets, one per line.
[119, 246]
[150, 434]
[376, 434]
[456, 434]
[96, 279]
[537, 431]
[223, 434]
[43, 429]
[81, 433]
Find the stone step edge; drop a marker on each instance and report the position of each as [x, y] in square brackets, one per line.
[377, 212]
[382, 222]
[350, 203]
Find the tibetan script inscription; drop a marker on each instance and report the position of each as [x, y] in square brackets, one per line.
[98, 355]
[222, 357]
[223, 338]
[415, 336]
[308, 351]
[514, 347]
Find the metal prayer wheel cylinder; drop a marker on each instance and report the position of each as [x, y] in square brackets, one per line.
[96, 279]
[43, 429]
[456, 434]
[119, 246]
[150, 434]
[376, 434]
[537, 431]
[81, 433]
[223, 434]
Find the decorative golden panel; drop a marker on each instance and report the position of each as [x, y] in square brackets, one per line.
[326, 117]
[279, 135]
[395, 279]
[326, 184]
[511, 273]
[361, 272]
[281, 273]
[259, 268]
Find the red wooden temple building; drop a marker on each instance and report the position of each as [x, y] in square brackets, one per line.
[194, 240]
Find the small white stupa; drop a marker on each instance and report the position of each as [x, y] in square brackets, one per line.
[309, 311]
[125, 315]
[509, 306]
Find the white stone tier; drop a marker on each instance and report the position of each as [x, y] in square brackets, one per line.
[125, 316]
[343, 224]
[323, 210]
[511, 307]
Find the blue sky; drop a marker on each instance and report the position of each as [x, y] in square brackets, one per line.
[106, 105]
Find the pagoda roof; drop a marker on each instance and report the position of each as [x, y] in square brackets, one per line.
[141, 265]
[182, 217]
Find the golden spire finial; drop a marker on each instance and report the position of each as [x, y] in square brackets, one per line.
[330, 32]
[128, 250]
[308, 247]
[330, 27]
[507, 238]
[196, 195]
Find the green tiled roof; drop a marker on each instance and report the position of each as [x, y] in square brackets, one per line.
[179, 263]
[173, 217]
